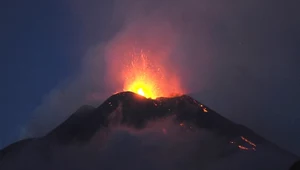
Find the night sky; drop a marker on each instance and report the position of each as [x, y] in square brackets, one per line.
[241, 58]
[41, 46]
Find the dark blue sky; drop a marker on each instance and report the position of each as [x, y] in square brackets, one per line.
[40, 46]
[251, 48]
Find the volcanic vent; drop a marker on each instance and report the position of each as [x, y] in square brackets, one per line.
[145, 74]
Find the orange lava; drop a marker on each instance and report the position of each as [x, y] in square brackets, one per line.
[248, 141]
[243, 147]
[146, 79]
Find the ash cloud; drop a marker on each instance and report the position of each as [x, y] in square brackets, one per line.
[238, 57]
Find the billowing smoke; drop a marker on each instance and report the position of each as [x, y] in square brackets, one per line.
[235, 56]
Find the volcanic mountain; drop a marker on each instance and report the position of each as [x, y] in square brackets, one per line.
[129, 131]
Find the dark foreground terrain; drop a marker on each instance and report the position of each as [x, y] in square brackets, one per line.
[129, 131]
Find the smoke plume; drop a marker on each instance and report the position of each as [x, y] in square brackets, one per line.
[235, 56]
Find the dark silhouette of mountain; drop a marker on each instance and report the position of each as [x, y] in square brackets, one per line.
[295, 166]
[137, 111]
[134, 111]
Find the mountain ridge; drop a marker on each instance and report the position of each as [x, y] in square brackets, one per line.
[135, 111]
[134, 104]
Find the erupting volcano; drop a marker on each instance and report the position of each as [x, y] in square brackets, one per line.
[145, 78]
[145, 126]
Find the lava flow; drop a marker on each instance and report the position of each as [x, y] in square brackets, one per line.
[144, 78]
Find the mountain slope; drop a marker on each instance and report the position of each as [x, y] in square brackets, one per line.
[220, 142]
[137, 110]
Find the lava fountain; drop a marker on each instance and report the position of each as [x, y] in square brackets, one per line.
[143, 77]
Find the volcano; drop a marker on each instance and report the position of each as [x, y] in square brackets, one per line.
[189, 134]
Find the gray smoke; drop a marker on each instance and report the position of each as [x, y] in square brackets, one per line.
[238, 57]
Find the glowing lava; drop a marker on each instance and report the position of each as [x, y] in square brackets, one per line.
[141, 77]
[141, 92]
[143, 86]
[146, 79]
